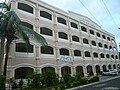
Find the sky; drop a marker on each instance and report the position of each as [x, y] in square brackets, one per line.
[108, 18]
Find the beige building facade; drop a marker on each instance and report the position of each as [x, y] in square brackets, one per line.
[76, 44]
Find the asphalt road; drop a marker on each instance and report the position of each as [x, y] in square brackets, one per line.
[113, 84]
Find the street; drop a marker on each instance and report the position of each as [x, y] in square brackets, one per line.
[113, 84]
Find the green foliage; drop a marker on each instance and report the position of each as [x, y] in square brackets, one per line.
[94, 79]
[2, 82]
[67, 78]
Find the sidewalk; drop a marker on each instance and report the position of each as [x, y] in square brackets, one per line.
[102, 79]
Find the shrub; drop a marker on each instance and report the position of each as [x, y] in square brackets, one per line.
[2, 82]
[94, 79]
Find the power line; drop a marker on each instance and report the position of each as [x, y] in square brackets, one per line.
[106, 8]
[89, 11]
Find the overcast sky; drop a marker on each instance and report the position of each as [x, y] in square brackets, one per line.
[107, 22]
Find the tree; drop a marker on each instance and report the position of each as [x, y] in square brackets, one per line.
[11, 28]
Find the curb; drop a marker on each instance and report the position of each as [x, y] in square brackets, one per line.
[92, 83]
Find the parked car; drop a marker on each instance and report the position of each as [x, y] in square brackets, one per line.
[110, 72]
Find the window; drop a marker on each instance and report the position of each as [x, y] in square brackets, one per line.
[110, 47]
[103, 36]
[27, 25]
[100, 44]
[47, 50]
[46, 31]
[108, 38]
[107, 55]
[93, 43]
[92, 32]
[61, 20]
[74, 25]
[105, 46]
[85, 41]
[75, 38]
[25, 7]
[46, 15]
[87, 54]
[98, 34]
[116, 56]
[95, 54]
[77, 53]
[63, 35]
[21, 47]
[102, 55]
[83, 29]
[112, 56]
[64, 51]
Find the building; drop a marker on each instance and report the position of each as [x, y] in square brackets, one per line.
[76, 44]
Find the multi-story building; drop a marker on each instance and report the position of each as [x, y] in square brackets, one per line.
[76, 44]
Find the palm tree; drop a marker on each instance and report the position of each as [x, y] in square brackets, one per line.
[11, 28]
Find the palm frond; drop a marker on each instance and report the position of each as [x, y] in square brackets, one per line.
[32, 34]
[5, 6]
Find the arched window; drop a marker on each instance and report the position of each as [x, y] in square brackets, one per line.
[110, 47]
[108, 38]
[107, 55]
[21, 47]
[61, 20]
[27, 25]
[93, 43]
[47, 50]
[63, 35]
[116, 56]
[100, 44]
[87, 54]
[25, 7]
[75, 38]
[95, 55]
[98, 34]
[46, 31]
[102, 55]
[85, 41]
[77, 53]
[92, 32]
[105, 46]
[112, 56]
[74, 25]
[64, 51]
[103, 36]
[83, 29]
[45, 15]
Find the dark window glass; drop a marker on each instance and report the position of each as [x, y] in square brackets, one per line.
[47, 50]
[85, 41]
[92, 32]
[98, 34]
[75, 38]
[116, 56]
[27, 25]
[83, 29]
[93, 43]
[112, 56]
[64, 51]
[102, 55]
[100, 44]
[87, 54]
[107, 56]
[95, 54]
[61, 20]
[105, 46]
[110, 47]
[103, 36]
[46, 15]
[108, 38]
[77, 53]
[46, 31]
[21, 47]
[62, 35]
[25, 7]
[74, 25]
